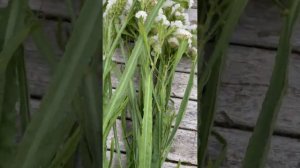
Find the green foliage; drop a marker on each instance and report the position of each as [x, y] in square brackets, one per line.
[49, 138]
[260, 141]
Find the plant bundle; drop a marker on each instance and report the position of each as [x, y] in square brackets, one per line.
[153, 36]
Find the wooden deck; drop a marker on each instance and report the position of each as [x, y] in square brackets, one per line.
[245, 81]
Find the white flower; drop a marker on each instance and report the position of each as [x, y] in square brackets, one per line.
[177, 24]
[128, 5]
[173, 41]
[190, 42]
[154, 39]
[182, 33]
[177, 13]
[193, 51]
[168, 3]
[162, 18]
[192, 27]
[191, 2]
[110, 3]
[175, 7]
[141, 14]
[160, 12]
[152, 53]
[186, 18]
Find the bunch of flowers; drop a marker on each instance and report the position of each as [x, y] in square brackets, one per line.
[171, 26]
[155, 34]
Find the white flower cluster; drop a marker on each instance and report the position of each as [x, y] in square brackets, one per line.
[141, 15]
[161, 18]
[172, 24]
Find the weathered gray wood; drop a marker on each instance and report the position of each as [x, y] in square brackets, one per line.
[284, 152]
[175, 154]
[184, 147]
[115, 162]
[259, 26]
[244, 84]
[183, 66]
[243, 104]
[56, 8]
[254, 66]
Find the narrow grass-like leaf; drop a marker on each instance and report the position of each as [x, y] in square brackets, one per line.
[71, 10]
[89, 115]
[259, 144]
[236, 8]
[145, 141]
[63, 155]
[186, 95]
[182, 109]
[7, 125]
[210, 79]
[218, 162]
[23, 89]
[112, 151]
[44, 134]
[116, 137]
[6, 56]
[44, 47]
[118, 96]
[208, 107]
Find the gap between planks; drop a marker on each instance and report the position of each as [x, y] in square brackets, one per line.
[243, 86]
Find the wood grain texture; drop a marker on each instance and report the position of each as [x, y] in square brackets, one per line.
[115, 162]
[245, 82]
[259, 26]
[244, 85]
[284, 152]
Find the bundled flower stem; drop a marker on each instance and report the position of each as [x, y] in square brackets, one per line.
[153, 37]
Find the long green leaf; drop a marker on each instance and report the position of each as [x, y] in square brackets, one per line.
[208, 107]
[8, 94]
[208, 98]
[23, 89]
[65, 153]
[186, 96]
[259, 143]
[45, 133]
[145, 140]
[118, 96]
[7, 126]
[90, 115]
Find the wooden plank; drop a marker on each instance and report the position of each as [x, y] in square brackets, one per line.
[242, 104]
[284, 152]
[244, 84]
[184, 147]
[177, 150]
[259, 26]
[115, 162]
[183, 66]
[57, 8]
[39, 77]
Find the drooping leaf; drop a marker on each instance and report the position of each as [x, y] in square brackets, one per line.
[259, 144]
[49, 125]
